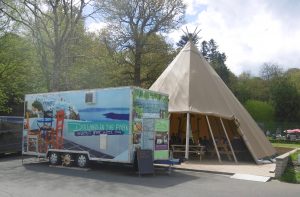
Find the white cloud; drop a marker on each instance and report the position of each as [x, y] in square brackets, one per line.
[95, 26]
[249, 32]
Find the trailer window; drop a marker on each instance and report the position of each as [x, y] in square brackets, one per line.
[90, 97]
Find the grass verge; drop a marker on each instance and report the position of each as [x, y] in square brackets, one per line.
[290, 175]
[286, 145]
[292, 172]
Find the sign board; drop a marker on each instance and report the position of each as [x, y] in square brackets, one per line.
[162, 125]
[145, 161]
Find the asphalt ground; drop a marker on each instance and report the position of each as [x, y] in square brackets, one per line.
[37, 179]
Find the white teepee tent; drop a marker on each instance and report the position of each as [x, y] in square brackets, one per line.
[195, 88]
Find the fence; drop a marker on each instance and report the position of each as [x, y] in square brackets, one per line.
[10, 134]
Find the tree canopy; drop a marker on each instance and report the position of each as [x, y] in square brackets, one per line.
[132, 23]
[45, 46]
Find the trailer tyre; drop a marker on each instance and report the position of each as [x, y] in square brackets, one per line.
[54, 158]
[82, 161]
[67, 159]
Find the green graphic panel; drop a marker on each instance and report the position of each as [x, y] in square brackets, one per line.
[162, 125]
[161, 154]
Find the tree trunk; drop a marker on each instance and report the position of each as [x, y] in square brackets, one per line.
[56, 72]
[137, 66]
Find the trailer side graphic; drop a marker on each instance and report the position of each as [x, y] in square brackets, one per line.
[101, 124]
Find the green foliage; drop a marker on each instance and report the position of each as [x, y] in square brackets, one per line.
[261, 111]
[18, 72]
[51, 25]
[290, 175]
[119, 69]
[270, 71]
[216, 59]
[294, 76]
[131, 24]
[251, 88]
[127, 52]
[286, 99]
[157, 55]
[88, 64]
[294, 156]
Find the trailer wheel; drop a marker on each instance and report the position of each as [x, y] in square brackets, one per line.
[54, 158]
[67, 159]
[82, 160]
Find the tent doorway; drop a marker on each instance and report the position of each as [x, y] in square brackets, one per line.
[218, 138]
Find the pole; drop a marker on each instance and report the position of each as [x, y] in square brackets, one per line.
[213, 138]
[187, 136]
[228, 140]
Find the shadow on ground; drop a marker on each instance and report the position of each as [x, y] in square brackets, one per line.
[115, 173]
[11, 157]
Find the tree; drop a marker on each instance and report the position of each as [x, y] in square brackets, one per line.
[89, 64]
[216, 59]
[293, 75]
[4, 21]
[131, 23]
[248, 87]
[158, 54]
[261, 111]
[270, 71]
[19, 73]
[52, 24]
[286, 100]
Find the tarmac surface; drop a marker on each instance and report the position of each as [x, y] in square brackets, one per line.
[37, 179]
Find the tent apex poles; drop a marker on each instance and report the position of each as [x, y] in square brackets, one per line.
[187, 136]
[213, 138]
[228, 140]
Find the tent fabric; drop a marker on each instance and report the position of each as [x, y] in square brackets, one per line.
[193, 86]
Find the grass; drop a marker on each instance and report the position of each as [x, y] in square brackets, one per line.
[286, 145]
[291, 175]
[294, 156]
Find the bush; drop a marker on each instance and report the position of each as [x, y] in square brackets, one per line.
[261, 111]
[291, 174]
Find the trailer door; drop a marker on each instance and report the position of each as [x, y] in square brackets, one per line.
[147, 141]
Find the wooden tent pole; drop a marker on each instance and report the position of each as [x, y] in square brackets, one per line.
[198, 129]
[228, 140]
[213, 138]
[187, 136]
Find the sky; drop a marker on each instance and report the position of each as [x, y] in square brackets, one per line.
[249, 32]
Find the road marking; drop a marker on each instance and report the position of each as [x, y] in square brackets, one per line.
[250, 177]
